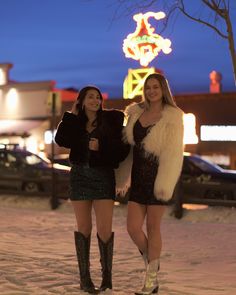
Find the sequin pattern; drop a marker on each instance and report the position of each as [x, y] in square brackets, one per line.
[144, 170]
[91, 183]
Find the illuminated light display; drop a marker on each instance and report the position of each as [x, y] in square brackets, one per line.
[144, 45]
[218, 133]
[133, 83]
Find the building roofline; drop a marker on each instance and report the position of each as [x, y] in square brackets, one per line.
[29, 86]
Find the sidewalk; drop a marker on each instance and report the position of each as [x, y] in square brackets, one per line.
[37, 255]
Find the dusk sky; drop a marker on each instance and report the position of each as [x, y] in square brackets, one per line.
[79, 42]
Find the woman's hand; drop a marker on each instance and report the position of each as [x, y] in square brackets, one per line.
[74, 109]
[161, 195]
[93, 144]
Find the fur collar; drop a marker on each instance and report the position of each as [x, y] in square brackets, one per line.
[163, 142]
[169, 112]
[171, 116]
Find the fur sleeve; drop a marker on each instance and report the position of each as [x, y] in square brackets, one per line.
[123, 174]
[134, 108]
[66, 130]
[171, 158]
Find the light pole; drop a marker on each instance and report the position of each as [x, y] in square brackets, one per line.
[54, 200]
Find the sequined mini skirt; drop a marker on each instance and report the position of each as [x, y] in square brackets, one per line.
[91, 183]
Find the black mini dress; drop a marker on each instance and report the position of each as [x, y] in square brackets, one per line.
[144, 171]
[91, 183]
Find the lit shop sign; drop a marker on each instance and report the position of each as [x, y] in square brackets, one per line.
[218, 133]
[144, 45]
[48, 137]
[190, 136]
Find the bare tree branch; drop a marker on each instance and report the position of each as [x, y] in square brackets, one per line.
[199, 20]
[215, 7]
[220, 9]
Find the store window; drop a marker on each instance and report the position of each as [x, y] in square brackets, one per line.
[190, 136]
[218, 133]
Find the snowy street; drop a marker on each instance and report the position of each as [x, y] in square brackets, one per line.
[37, 254]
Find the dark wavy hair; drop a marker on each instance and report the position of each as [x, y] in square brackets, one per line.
[81, 97]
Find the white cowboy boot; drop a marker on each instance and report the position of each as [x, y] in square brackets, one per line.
[150, 284]
[145, 259]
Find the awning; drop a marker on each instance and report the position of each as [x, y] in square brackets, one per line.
[18, 127]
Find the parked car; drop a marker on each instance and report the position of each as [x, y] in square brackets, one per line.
[62, 159]
[202, 180]
[21, 170]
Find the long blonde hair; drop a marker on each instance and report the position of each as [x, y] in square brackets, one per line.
[167, 95]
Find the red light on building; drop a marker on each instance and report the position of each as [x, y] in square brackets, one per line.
[71, 95]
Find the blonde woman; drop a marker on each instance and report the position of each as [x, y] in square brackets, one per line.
[155, 130]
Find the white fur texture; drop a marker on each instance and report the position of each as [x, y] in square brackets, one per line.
[165, 143]
[123, 174]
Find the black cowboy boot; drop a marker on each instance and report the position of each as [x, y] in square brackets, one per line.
[106, 254]
[82, 245]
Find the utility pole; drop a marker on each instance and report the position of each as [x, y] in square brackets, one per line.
[54, 200]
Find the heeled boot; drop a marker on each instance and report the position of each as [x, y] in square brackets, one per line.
[145, 259]
[151, 285]
[82, 245]
[106, 256]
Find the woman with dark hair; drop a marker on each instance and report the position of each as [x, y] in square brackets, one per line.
[94, 137]
[155, 130]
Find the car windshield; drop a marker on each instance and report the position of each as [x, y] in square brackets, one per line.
[205, 165]
[31, 159]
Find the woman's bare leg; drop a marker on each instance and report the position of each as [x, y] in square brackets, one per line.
[153, 223]
[83, 216]
[135, 220]
[104, 213]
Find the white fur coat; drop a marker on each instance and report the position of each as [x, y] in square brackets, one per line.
[164, 142]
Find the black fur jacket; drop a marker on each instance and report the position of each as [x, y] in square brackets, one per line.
[71, 133]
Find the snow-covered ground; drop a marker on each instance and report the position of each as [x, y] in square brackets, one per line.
[37, 253]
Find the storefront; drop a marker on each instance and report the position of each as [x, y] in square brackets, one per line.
[26, 118]
[215, 115]
[24, 111]
[210, 124]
